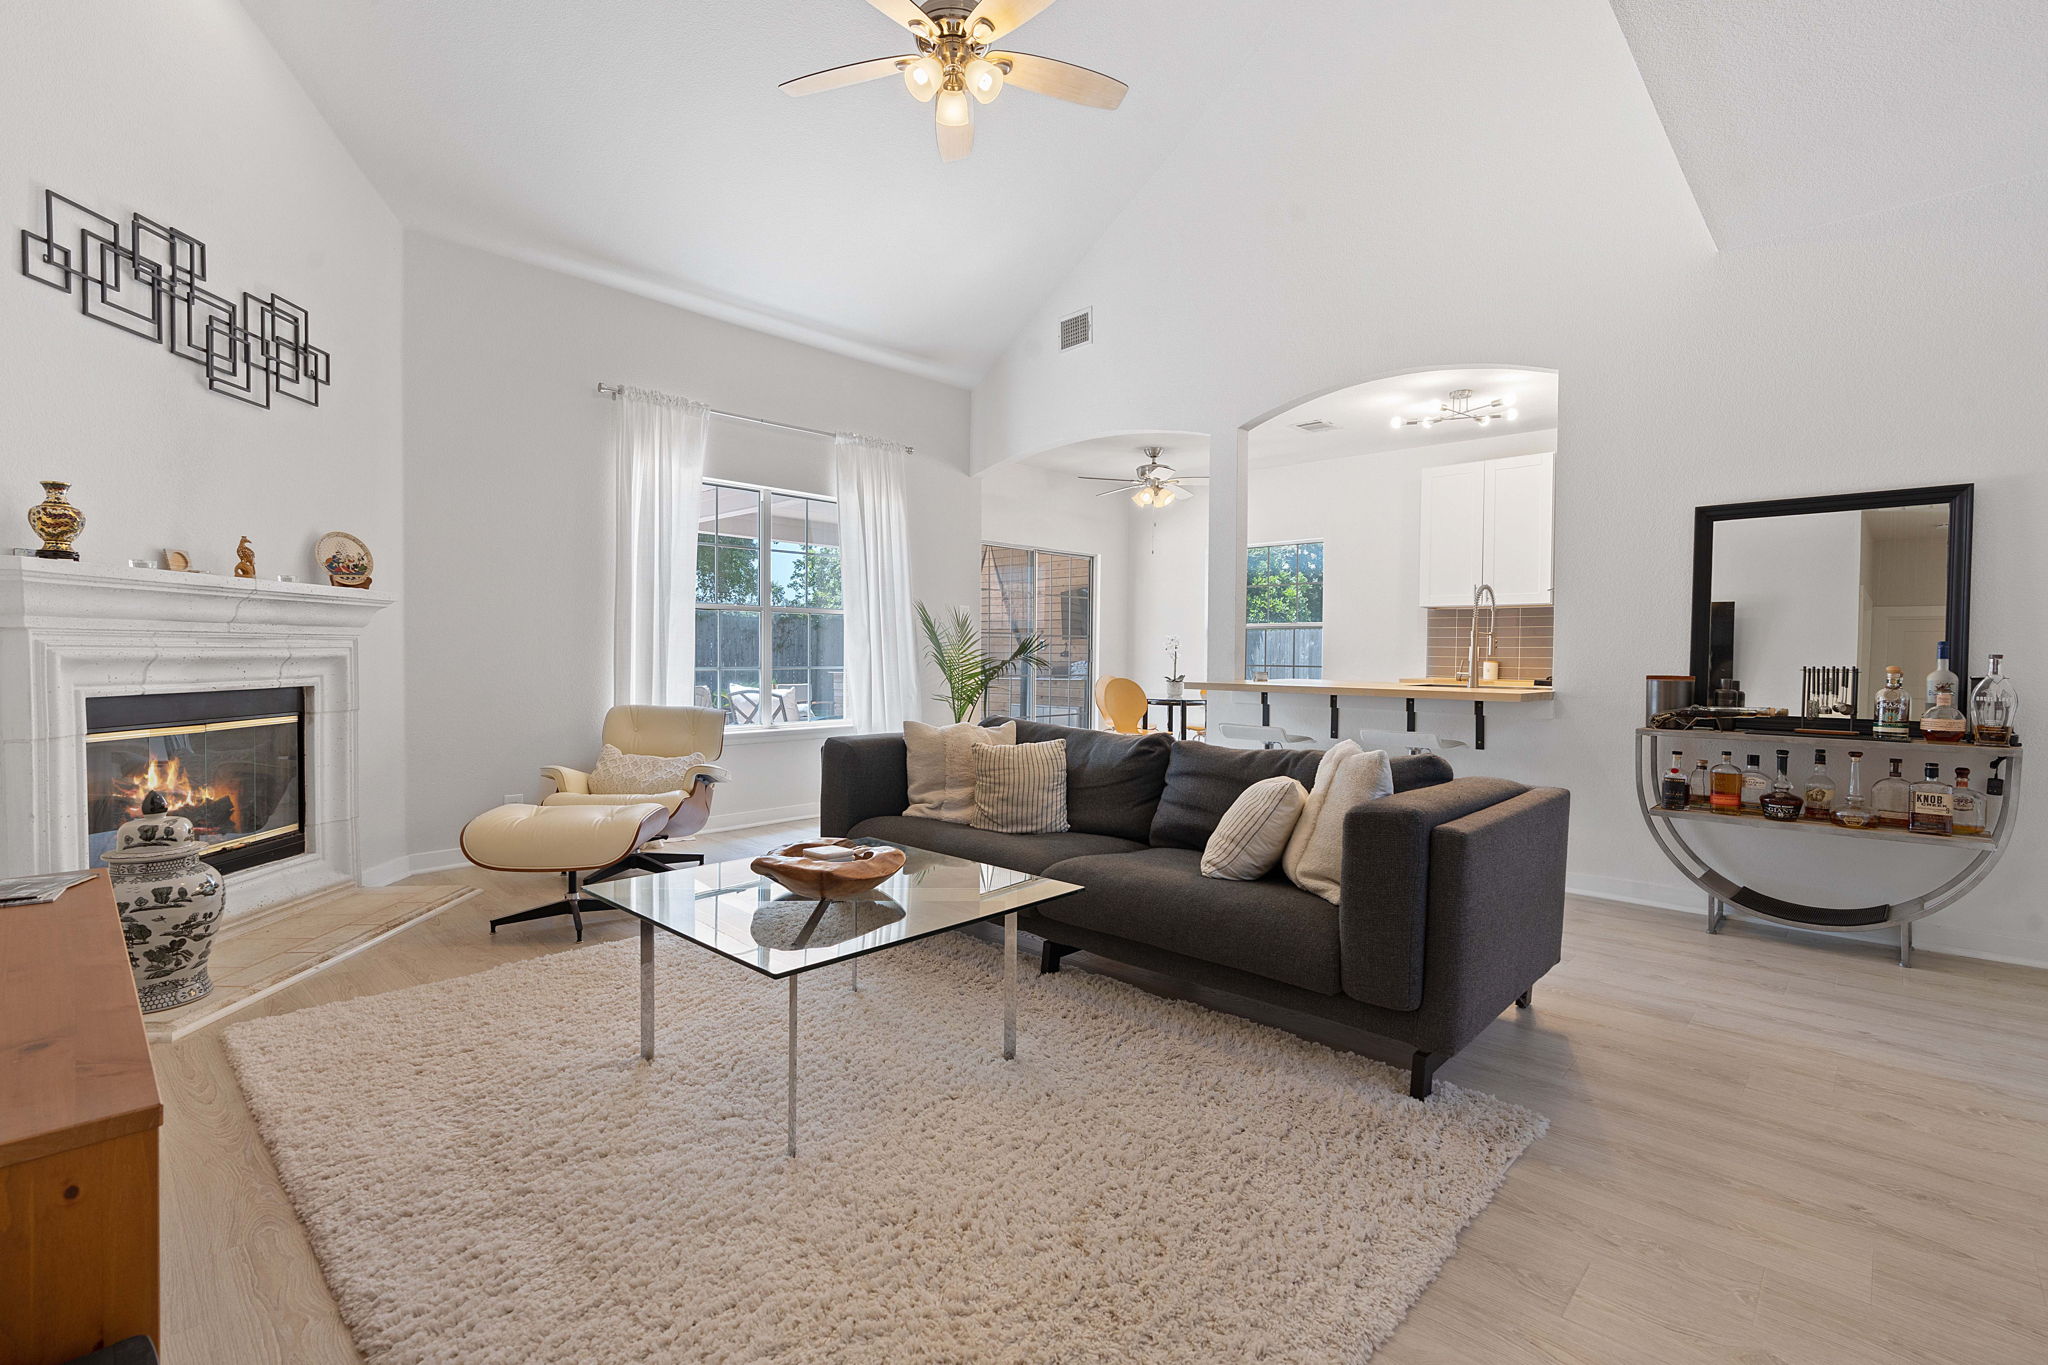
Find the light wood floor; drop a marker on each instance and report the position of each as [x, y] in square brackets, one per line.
[1761, 1151]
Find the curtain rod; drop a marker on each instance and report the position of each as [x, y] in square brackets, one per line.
[614, 390]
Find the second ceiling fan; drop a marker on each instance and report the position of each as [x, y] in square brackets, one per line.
[955, 59]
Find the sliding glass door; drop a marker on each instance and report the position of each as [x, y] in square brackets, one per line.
[1051, 595]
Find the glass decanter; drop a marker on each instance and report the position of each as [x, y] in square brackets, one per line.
[1854, 812]
[1995, 705]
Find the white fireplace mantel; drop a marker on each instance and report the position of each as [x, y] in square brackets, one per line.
[69, 631]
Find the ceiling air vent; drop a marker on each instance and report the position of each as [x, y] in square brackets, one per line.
[1077, 329]
[1316, 424]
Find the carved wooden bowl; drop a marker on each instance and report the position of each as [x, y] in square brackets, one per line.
[829, 877]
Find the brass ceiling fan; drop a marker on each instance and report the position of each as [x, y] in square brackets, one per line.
[954, 60]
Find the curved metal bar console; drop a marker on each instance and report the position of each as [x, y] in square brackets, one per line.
[1668, 827]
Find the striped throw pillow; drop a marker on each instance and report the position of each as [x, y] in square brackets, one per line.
[1253, 833]
[1021, 788]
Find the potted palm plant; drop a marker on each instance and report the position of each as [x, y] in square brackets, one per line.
[968, 670]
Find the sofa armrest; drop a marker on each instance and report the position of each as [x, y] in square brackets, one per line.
[861, 776]
[572, 780]
[1384, 892]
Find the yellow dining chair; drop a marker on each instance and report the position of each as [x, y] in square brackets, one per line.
[1121, 703]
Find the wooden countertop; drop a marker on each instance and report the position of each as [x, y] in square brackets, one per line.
[74, 1061]
[1332, 687]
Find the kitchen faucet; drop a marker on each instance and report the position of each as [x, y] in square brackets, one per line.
[1483, 591]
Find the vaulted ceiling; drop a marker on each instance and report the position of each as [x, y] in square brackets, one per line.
[644, 142]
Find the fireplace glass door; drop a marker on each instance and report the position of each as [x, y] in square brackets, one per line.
[231, 762]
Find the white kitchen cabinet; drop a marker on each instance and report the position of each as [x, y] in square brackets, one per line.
[1488, 521]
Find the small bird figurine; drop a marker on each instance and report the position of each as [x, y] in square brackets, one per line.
[245, 559]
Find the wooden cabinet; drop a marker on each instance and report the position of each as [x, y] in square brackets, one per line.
[78, 1125]
[1488, 521]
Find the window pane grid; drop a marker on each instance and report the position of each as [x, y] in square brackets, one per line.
[1284, 610]
[782, 608]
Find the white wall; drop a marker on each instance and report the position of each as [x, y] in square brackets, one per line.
[508, 493]
[184, 114]
[1308, 234]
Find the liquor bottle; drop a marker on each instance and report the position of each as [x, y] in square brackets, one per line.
[1820, 788]
[1995, 705]
[1931, 813]
[1941, 722]
[1942, 676]
[1675, 790]
[1894, 707]
[1892, 798]
[1965, 811]
[1781, 802]
[1754, 785]
[1854, 812]
[1726, 783]
[1701, 785]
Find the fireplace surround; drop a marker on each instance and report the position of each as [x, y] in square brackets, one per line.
[73, 635]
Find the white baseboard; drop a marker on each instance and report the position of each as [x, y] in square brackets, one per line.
[412, 865]
[751, 819]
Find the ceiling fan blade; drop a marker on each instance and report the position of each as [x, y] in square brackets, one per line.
[852, 74]
[1062, 80]
[1002, 15]
[1127, 488]
[956, 140]
[1104, 478]
[904, 12]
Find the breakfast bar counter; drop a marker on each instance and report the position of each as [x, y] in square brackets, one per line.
[1409, 689]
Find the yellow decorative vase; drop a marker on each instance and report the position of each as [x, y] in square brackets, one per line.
[56, 521]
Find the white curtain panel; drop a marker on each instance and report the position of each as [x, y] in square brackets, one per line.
[658, 456]
[874, 547]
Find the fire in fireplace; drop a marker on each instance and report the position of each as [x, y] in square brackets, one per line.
[231, 762]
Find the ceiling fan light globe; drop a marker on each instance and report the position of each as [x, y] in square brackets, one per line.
[924, 77]
[1164, 498]
[984, 79]
[953, 109]
[1143, 497]
[1512, 413]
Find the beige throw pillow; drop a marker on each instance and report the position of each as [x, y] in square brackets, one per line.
[1021, 788]
[1252, 834]
[940, 760]
[624, 774]
[1349, 776]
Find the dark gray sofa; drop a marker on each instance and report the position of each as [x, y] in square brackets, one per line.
[1452, 888]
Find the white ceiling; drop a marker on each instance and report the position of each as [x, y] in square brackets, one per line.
[1186, 451]
[1364, 412]
[1788, 116]
[644, 142]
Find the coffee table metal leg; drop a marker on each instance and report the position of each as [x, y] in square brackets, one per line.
[646, 991]
[792, 1066]
[1010, 986]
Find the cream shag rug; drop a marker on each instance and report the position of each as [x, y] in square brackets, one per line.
[489, 1174]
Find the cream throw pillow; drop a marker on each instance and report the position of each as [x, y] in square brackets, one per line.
[1349, 776]
[940, 759]
[623, 774]
[1252, 834]
[1021, 788]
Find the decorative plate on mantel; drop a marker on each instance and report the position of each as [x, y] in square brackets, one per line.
[345, 558]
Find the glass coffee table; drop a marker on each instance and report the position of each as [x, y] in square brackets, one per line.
[739, 914]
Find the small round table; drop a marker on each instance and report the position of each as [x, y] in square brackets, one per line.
[1171, 703]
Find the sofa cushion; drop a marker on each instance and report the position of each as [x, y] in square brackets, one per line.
[1253, 834]
[1113, 781]
[938, 761]
[1021, 788]
[1202, 780]
[1031, 853]
[1159, 897]
[1349, 777]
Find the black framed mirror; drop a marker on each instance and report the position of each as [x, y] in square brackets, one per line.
[1801, 603]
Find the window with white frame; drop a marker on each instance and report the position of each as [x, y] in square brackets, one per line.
[768, 593]
[1283, 610]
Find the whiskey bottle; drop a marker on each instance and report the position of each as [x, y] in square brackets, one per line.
[1726, 784]
[1941, 722]
[1754, 785]
[1781, 802]
[1894, 707]
[1854, 812]
[1930, 813]
[1675, 790]
[1892, 798]
[1701, 786]
[1965, 811]
[1820, 788]
[1942, 676]
[1995, 705]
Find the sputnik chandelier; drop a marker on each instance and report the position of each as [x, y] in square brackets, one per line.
[1462, 408]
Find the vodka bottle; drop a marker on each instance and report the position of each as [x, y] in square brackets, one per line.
[1942, 676]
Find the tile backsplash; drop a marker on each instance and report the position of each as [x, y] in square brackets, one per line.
[1521, 640]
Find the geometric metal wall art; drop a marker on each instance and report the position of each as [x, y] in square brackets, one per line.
[148, 286]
